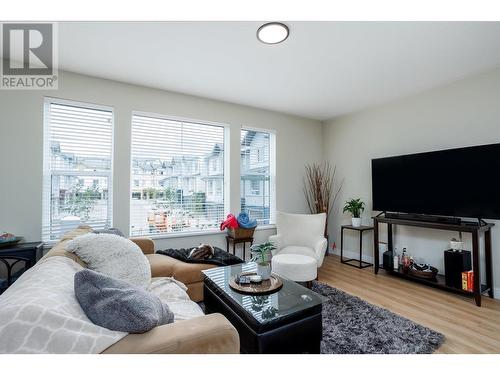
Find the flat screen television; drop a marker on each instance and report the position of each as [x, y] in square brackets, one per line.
[461, 182]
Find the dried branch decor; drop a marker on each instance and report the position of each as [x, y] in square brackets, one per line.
[319, 189]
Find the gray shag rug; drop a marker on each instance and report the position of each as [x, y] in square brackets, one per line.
[353, 326]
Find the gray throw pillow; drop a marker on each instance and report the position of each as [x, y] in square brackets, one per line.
[118, 305]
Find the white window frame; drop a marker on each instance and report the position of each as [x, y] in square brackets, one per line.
[225, 169]
[272, 173]
[48, 173]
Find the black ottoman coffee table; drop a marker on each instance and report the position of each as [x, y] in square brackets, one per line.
[287, 321]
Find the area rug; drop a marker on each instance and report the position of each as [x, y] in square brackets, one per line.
[354, 326]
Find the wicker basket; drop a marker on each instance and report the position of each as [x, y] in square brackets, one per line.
[240, 233]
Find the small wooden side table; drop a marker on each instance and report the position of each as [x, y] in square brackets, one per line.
[235, 241]
[360, 262]
[28, 253]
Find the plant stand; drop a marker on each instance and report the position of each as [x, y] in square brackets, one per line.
[360, 263]
[235, 241]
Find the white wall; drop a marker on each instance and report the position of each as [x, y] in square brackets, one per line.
[21, 134]
[463, 113]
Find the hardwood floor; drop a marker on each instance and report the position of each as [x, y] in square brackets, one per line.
[467, 328]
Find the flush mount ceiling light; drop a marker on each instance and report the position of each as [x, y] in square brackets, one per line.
[273, 33]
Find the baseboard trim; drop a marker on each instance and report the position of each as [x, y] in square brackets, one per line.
[496, 293]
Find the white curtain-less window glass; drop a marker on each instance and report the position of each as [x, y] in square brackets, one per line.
[78, 146]
[257, 190]
[177, 176]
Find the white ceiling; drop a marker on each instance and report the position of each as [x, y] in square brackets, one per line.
[324, 69]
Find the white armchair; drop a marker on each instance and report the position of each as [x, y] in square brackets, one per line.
[300, 234]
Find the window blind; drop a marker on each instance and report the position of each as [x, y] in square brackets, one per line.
[77, 187]
[257, 181]
[177, 176]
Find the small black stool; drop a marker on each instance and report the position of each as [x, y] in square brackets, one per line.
[237, 241]
[361, 263]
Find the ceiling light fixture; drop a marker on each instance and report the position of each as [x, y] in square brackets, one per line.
[273, 33]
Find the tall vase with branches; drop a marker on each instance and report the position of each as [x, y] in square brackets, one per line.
[319, 189]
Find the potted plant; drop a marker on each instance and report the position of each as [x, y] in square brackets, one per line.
[355, 207]
[261, 256]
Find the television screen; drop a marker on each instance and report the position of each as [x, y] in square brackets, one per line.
[462, 182]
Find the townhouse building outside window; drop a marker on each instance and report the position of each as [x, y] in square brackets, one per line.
[257, 166]
[77, 167]
[180, 169]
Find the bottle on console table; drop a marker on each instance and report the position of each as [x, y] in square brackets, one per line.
[396, 260]
[405, 260]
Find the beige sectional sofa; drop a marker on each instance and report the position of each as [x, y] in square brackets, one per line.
[209, 334]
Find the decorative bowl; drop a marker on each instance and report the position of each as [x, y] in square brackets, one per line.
[424, 274]
[9, 240]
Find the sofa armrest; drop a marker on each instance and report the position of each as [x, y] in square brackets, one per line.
[146, 244]
[209, 334]
[320, 250]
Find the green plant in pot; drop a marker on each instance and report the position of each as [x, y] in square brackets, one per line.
[355, 207]
[261, 254]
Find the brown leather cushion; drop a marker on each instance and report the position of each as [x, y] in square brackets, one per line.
[208, 334]
[187, 273]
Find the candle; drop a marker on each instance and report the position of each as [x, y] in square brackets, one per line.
[255, 279]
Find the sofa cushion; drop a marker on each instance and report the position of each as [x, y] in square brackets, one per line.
[113, 256]
[117, 305]
[301, 250]
[210, 334]
[187, 273]
[296, 267]
[173, 293]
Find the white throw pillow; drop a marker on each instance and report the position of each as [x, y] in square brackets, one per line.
[113, 256]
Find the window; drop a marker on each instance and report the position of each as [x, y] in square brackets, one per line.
[257, 175]
[178, 164]
[255, 187]
[78, 144]
[261, 154]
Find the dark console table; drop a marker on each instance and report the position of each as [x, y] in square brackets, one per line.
[475, 228]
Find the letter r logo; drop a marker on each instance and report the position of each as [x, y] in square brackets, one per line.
[27, 48]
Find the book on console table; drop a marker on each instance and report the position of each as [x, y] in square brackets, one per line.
[468, 281]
